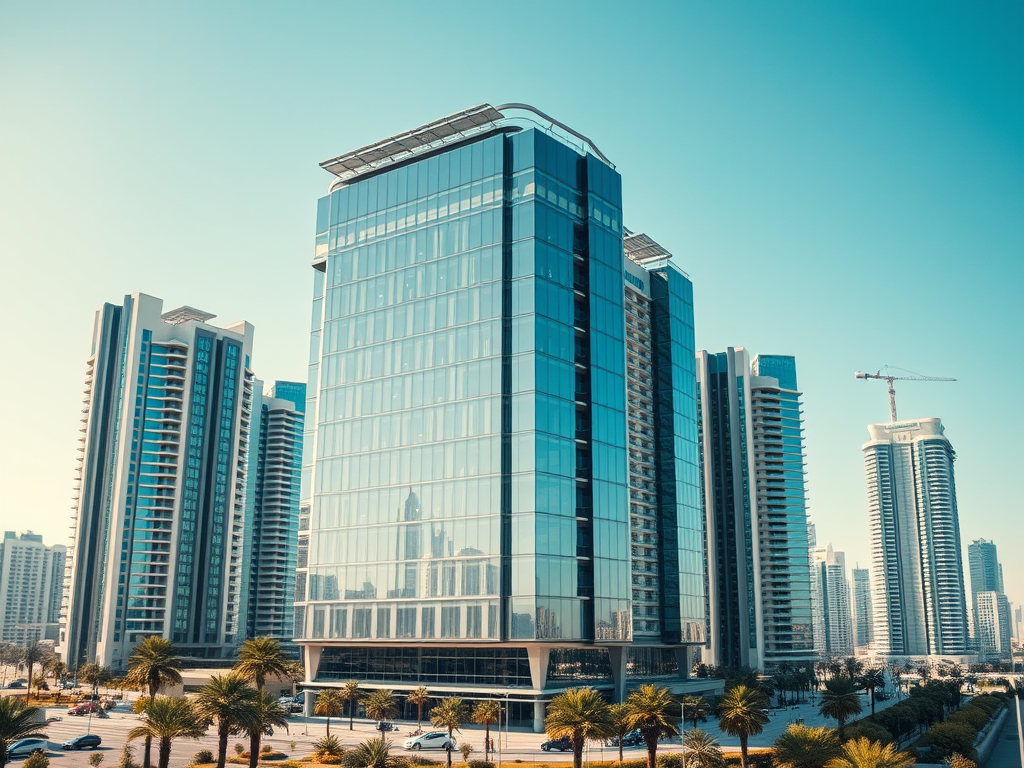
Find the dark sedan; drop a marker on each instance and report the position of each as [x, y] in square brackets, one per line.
[88, 741]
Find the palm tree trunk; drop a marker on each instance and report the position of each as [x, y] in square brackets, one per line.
[3, 744]
[328, 725]
[28, 690]
[743, 750]
[254, 749]
[652, 752]
[222, 743]
[419, 716]
[621, 737]
[164, 753]
[842, 728]
[487, 741]
[351, 712]
[146, 763]
[577, 754]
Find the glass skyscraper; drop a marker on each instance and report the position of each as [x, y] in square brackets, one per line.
[160, 507]
[466, 520]
[272, 519]
[752, 463]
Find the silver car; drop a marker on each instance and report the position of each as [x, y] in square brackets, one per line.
[25, 747]
[431, 740]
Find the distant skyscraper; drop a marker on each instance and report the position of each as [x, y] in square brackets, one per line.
[986, 576]
[917, 570]
[159, 521]
[993, 626]
[275, 463]
[834, 595]
[863, 634]
[31, 585]
[759, 585]
[501, 479]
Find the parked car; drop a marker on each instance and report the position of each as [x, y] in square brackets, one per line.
[631, 739]
[25, 747]
[16, 684]
[87, 741]
[294, 708]
[562, 745]
[385, 725]
[431, 740]
[83, 709]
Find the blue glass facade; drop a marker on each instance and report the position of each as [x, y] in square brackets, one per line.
[470, 470]
[467, 478]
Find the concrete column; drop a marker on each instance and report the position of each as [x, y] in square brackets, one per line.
[309, 702]
[539, 708]
[684, 660]
[617, 657]
[538, 656]
[311, 656]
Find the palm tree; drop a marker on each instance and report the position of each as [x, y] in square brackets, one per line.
[741, 713]
[32, 655]
[649, 708]
[17, 721]
[373, 753]
[260, 658]
[350, 693]
[487, 713]
[702, 750]
[227, 701]
[56, 669]
[328, 746]
[696, 708]
[265, 713]
[330, 702]
[862, 753]
[872, 678]
[153, 664]
[419, 696]
[620, 723]
[381, 705]
[450, 714]
[578, 714]
[803, 747]
[840, 701]
[167, 719]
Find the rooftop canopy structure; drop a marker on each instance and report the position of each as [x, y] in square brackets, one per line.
[453, 128]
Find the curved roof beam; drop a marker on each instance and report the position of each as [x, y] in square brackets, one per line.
[563, 126]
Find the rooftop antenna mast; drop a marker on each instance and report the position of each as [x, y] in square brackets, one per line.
[886, 377]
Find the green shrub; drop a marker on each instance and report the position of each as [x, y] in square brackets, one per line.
[420, 760]
[629, 764]
[466, 749]
[481, 764]
[869, 730]
[95, 759]
[948, 738]
[237, 760]
[670, 760]
[203, 756]
[128, 757]
[37, 760]
[239, 749]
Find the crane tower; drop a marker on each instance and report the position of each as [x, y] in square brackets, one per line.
[890, 379]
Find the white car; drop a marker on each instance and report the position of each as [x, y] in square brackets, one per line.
[432, 740]
[26, 747]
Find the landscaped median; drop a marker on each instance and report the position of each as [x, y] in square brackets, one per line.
[759, 758]
[959, 732]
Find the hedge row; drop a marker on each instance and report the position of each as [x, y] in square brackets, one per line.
[960, 730]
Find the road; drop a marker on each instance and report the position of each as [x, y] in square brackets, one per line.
[1006, 753]
[516, 745]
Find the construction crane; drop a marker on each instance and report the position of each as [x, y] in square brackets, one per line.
[890, 379]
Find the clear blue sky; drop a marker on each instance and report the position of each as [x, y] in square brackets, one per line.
[843, 181]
